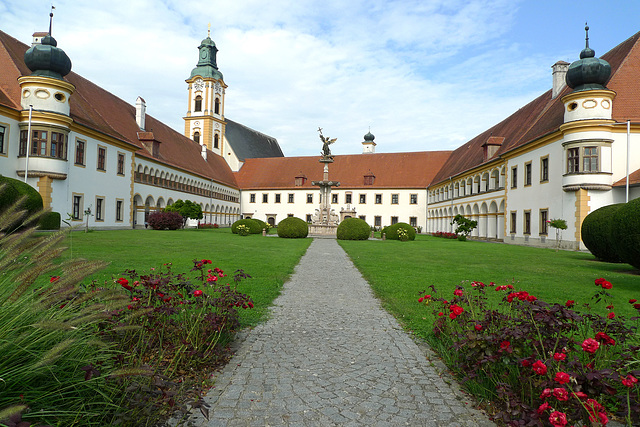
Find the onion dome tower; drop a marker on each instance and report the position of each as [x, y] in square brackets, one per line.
[204, 122]
[588, 72]
[368, 145]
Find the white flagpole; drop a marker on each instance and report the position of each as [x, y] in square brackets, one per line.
[26, 165]
[628, 147]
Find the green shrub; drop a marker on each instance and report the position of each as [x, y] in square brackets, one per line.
[14, 189]
[353, 229]
[254, 226]
[597, 233]
[49, 221]
[626, 232]
[392, 231]
[263, 225]
[293, 228]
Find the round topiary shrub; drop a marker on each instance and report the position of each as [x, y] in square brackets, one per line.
[262, 224]
[353, 229]
[597, 233]
[293, 228]
[14, 189]
[626, 232]
[49, 221]
[254, 226]
[392, 231]
[165, 220]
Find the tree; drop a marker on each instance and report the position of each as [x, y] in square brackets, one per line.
[187, 209]
[464, 226]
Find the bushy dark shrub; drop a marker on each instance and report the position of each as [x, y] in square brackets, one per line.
[626, 232]
[261, 223]
[392, 231]
[353, 229]
[254, 226]
[49, 221]
[14, 189]
[165, 220]
[293, 228]
[597, 233]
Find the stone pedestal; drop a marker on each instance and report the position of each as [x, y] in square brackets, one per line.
[325, 220]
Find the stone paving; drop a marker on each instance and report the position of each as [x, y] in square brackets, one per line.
[330, 355]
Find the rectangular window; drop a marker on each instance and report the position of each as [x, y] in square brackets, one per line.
[2, 143]
[99, 209]
[58, 145]
[252, 198]
[573, 160]
[527, 222]
[413, 199]
[378, 199]
[22, 150]
[363, 217]
[39, 143]
[394, 220]
[590, 159]
[514, 177]
[278, 198]
[265, 198]
[309, 218]
[377, 221]
[334, 198]
[119, 204]
[77, 208]
[290, 197]
[544, 225]
[102, 158]
[347, 198]
[544, 169]
[527, 174]
[514, 217]
[120, 164]
[413, 221]
[80, 146]
[394, 199]
[363, 199]
[289, 215]
[309, 198]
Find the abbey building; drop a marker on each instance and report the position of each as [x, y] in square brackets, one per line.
[97, 158]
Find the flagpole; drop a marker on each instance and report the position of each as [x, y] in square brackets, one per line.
[628, 148]
[26, 165]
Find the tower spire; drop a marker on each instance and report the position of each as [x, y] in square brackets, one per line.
[209, 30]
[51, 18]
[586, 29]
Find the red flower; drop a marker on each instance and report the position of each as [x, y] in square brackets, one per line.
[632, 300]
[561, 394]
[611, 315]
[607, 285]
[212, 278]
[543, 407]
[629, 380]
[53, 279]
[600, 281]
[545, 393]
[603, 418]
[452, 315]
[592, 407]
[458, 292]
[478, 327]
[562, 377]
[504, 345]
[636, 305]
[590, 345]
[609, 307]
[569, 303]
[197, 293]
[531, 298]
[559, 356]
[167, 299]
[420, 299]
[539, 367]
[441, 314]
[124, 283]
[250, 304]
[456, 309]
[525, 363]
[558, 419]
[605, 339]
[580, 395]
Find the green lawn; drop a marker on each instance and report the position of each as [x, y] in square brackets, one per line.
[268, 260]
[398, 271]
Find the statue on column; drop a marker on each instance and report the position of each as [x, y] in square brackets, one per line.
[326, 151]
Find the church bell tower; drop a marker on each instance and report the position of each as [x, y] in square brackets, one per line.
[204, 122]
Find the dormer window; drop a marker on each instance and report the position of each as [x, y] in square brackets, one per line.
[198, 106]
[369, 178]
[491, 147]
[300, 180]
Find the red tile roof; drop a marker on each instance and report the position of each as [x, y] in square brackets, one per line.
[634, 180]
[104, 112]
[391, 170]
[544, 115]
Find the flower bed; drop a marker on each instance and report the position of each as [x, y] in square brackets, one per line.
[445, 235]
[539, 363]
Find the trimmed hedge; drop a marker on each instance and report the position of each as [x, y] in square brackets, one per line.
[353, 229]
[293, 228]
[392, 231]
[14, 189]
[626, 232]
[254, 226]
[597, 233]
[262, 224]
[165, 220]
[49, 221]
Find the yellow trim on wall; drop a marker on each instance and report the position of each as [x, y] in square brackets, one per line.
[582, 210]
[45, 189]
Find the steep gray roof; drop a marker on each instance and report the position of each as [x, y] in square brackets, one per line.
[250, 144]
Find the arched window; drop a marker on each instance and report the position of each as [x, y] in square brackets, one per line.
[217, 106]
[215, 140]
[196, 137]
[198, 106]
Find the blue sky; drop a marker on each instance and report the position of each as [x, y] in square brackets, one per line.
[423, 75]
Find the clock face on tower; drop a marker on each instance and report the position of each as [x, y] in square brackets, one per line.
[204, 54]
[198, 85]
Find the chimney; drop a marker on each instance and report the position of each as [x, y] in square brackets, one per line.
[560, 69]
[141, 112]
[204, 151]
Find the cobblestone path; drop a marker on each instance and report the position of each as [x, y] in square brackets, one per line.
[330, 355]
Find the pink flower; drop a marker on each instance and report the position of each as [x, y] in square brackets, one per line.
[590, 345]
[629, 380]
[539, 367]
[561, 394]
[197, 293]
[558, 419]
[569, 303]
[562, 377]
[559, 356]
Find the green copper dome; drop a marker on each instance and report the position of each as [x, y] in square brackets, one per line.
[369, 137]
[47, 60]
[207, 66]
[588, 72]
